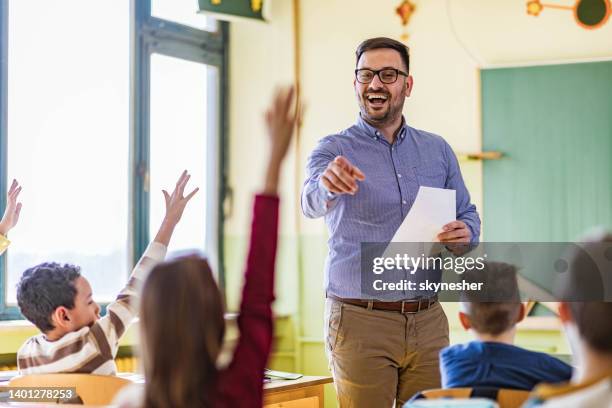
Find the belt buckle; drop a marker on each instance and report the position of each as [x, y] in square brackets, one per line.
[429, 303]
[407, 312]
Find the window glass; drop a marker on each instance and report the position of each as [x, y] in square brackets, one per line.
[68, 138]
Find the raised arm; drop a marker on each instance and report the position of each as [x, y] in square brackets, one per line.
[175, 205]
[255, 320]
[121, 312]
[11, 214]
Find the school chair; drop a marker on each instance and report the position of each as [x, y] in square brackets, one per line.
[92, 389]
[505, 398]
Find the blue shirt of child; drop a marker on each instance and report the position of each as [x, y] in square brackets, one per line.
[490, 364]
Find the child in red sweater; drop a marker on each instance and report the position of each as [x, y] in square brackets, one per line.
[182, 323]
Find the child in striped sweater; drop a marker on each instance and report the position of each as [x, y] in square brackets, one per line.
[58, 300]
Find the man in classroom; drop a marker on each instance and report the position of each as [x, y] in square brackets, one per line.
[364, 180]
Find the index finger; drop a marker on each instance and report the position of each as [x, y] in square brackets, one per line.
[348, 166]
[180, 189]
[15, 194]
[343, 162]
[13, 187]
[357, 173]
[288, 102]
[181, 178]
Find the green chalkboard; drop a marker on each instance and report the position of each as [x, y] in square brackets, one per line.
[554, 125]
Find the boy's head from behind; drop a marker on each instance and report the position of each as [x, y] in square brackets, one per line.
[499, 309]
[57, 299]
[585, 314]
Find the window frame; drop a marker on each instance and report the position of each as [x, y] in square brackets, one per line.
[148, 35]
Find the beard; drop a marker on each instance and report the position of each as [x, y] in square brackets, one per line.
[383, 115]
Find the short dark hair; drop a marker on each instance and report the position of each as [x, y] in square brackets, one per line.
[45, 287]
[592, 316]
[384, 42]
[496, 309]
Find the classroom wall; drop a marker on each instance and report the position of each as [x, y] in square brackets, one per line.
[450, 41]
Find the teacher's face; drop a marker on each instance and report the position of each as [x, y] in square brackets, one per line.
[382, 103]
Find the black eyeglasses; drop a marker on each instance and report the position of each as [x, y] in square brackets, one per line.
[386, 75]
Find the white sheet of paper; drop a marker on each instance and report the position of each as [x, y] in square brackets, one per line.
[432, 209]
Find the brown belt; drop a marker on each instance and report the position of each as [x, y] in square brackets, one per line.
[406, 306]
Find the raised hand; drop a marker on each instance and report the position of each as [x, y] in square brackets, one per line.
[13, 209]
[280, 118]
[176, 202]
[175, 205]
[341, 176]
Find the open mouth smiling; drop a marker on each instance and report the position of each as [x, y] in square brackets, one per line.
[377, 99]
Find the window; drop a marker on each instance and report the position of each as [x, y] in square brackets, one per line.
[96, 127]
[177, 143]
[68, 137]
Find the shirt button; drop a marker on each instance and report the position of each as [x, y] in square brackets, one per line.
[399, 175]
[404, 202]
[375, 138]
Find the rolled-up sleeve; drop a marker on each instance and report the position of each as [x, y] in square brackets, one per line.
[316, 199]
[466, 211]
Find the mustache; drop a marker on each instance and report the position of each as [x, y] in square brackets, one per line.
[377, 91]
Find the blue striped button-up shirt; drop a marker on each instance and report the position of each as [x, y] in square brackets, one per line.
[393, 173]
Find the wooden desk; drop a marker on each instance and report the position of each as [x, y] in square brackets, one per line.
[305, 392]
[48, 405]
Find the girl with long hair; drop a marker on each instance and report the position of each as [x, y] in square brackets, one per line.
[182, 316]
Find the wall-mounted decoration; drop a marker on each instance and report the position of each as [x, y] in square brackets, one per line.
[235, 9]
[405, 10]
[588, 14]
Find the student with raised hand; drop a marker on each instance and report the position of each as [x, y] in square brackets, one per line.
[182, 320]
[11, 215]
[59, 301]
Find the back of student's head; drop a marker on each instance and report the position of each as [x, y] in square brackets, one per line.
[182, 329]
[496, 308]
[583, 287]
[44, 288]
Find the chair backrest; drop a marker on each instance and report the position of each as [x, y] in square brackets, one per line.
[91, 388]
[452, 403]
[506, 398]
[447, 393]
[512, 398]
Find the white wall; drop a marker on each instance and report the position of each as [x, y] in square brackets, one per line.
[450, 41]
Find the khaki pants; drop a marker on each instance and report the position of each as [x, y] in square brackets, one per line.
[378, 357]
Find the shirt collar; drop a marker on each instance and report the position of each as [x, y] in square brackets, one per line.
[375, 134]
